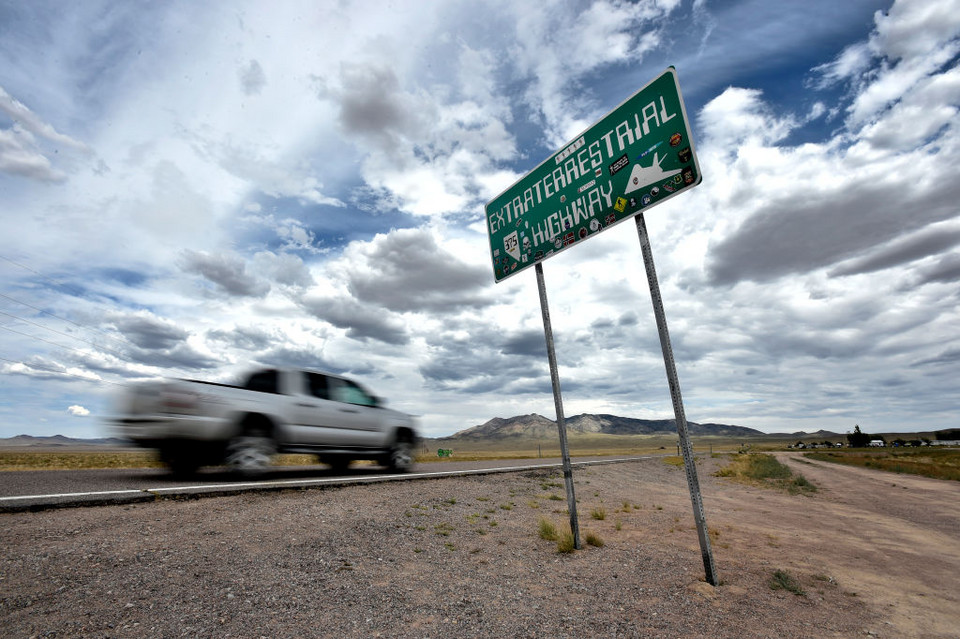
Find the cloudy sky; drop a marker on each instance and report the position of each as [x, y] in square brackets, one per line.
[193, 189]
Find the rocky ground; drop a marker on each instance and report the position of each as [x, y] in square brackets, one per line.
[870, 554]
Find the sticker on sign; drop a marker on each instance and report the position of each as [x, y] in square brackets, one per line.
[635, 157]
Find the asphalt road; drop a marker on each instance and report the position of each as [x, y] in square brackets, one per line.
[41, 489]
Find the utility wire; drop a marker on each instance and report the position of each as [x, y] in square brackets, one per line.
[45, 312]
[53, 330]
[69, 348]
[172, 362]
[62, 319]
[56, 372]
[105, 334]
[7, 259]
[78, 325]
[7, 328]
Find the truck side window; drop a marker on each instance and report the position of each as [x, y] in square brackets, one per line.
[318, 385]
[350, 393]
[263, 382]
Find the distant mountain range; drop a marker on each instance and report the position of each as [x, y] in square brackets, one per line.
[531, 426]
[538, 426]
[26, 441]
[819, 433]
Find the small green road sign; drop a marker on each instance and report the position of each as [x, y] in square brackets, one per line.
[637, 156]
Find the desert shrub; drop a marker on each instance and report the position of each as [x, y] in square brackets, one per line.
[765, 470]
[801, 484]
[594, 539]
[566, 543]
[765, 467]
[782, 580]
[547, 530]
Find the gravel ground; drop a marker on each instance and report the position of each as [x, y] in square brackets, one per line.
[459, 558]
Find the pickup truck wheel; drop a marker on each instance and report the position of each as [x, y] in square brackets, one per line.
[400, 459]
[250, 455]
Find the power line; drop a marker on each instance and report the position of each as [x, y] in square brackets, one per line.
[53, 330]
[45, 312]
[69, 321]
[7, 328]
[69, 348]
[56, 372]
[40, 310]
[99, 348]
[172, 363]
[7, 259]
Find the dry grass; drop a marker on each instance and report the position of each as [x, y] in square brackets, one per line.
[593, 445]
[765, 470]
[86, 460]
[782, 580]
[78, 460]
[935, 463]
[677, 460]
[566, 543]
[593, 539]
[547, 530]
[599, 513]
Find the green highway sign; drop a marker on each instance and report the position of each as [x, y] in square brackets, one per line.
[637, 156]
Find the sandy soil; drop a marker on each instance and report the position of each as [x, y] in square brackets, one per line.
[875, 554]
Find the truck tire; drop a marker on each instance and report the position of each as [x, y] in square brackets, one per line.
[401, 456]
[249, 455]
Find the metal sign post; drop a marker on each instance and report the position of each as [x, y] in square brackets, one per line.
[688, 460]
[558, 403]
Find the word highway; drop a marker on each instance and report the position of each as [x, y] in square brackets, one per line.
[577, 162]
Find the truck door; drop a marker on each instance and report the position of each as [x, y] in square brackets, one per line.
[332, 412]
[315, 416]
[360, 410]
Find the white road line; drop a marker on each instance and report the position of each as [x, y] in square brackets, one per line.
[308, 482]
[64, 495]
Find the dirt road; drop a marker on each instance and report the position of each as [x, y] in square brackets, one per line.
[874, 554]
[898, 538]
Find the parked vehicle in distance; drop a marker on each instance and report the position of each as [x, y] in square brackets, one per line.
[194, 423]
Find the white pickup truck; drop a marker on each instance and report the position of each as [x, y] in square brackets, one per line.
[193, 423]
